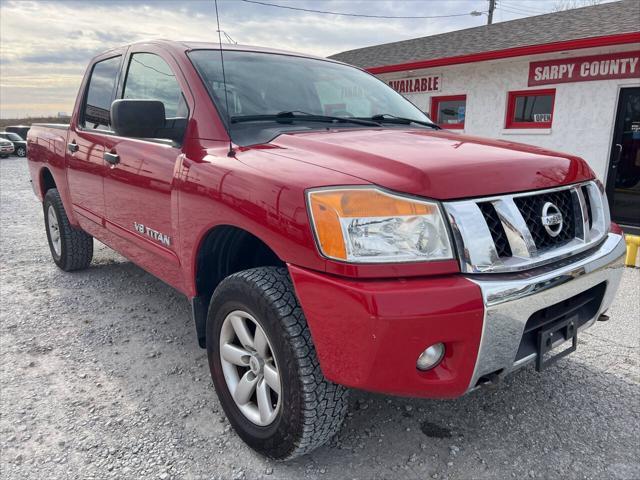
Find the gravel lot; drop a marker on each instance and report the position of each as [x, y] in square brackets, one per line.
[102, 377]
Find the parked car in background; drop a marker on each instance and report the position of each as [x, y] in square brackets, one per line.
[19, 143]
[6, 148]
[19, 129]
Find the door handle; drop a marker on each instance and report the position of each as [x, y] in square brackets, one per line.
[619, 155]
[73, 147]
[111, 158]
[616, 159]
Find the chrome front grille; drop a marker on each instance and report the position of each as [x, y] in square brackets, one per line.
[503, 249]
[531, 207]
[507, 233]
[587, 200]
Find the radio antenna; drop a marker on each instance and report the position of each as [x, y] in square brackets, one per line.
[231, 151]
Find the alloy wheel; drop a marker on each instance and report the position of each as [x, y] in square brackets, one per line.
[250, 368]
[54, 230]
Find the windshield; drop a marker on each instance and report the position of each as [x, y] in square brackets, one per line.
[12, 136]
[269, 84]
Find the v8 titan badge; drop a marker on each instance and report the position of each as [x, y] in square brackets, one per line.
[150, 232]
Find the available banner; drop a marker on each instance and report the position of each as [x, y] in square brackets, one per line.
[431, 83]
[583, 69]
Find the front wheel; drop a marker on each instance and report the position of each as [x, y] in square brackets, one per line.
[21, 151]
[265, 369]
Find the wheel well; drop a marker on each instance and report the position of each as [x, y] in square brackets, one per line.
[46, 181]
[227, 250]
[224, 251]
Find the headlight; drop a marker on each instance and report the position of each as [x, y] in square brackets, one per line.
[605, 205]
[367, 225]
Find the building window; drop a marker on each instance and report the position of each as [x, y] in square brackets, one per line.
[530, 108]
[449, 111]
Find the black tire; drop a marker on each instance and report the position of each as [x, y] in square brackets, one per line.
[312, 408]
[21, 151]
[76, 246]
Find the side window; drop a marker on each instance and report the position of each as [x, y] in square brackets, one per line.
[150, 78]
[101, 92]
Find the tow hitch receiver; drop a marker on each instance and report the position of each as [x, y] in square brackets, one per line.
[551, 337]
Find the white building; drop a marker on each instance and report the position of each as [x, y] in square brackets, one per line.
[568, 81]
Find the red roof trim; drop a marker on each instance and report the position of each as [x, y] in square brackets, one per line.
[604, 41]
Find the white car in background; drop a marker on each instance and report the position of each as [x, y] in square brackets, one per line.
[19, 143]
[6, 148]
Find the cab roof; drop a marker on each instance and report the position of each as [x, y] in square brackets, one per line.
[175, 46]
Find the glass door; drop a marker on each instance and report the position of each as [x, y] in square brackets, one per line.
[623, 181]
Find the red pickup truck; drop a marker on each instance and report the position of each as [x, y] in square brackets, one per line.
[328, 234]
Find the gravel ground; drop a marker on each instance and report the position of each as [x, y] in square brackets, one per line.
[102, 377]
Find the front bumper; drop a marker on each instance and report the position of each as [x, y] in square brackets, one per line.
[512, 299]
[368, 334]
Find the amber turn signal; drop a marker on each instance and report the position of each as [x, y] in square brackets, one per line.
[370, 225]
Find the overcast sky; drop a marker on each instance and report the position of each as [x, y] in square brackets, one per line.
[45, 45]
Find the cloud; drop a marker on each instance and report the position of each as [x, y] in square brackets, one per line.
[45, 46]
[72, 55]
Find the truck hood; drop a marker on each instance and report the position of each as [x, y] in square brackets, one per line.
[436, 164]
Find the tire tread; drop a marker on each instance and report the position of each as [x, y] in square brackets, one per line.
[77, 245]
[324, 403]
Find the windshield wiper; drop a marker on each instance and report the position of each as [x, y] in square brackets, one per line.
[387, 117]
[289, 117]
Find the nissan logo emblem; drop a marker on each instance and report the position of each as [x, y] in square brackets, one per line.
[551, 219]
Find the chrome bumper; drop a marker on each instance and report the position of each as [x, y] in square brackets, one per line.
[509, 301]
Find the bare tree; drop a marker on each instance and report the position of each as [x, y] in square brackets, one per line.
[562, 5]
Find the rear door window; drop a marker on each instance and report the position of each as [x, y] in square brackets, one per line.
[100, 94]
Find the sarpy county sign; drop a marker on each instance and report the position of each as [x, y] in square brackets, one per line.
[584, 69]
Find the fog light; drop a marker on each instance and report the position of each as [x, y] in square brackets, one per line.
[431, 357]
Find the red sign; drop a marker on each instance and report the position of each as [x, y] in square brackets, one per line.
[584, 69]
[417, 84]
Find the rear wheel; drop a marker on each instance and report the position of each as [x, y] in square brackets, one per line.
[265, 369]
[21, 152]
[71, 248]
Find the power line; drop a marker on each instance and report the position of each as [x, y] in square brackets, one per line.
[525, 6]
[525, 9]
[519, 12]
[326, 12]
[515, 12]
[526, 12]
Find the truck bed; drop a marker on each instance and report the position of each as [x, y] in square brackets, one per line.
[59, 126]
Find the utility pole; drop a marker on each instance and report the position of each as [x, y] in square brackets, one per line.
[492, 7]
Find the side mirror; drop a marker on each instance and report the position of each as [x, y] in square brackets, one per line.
[137, 118]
